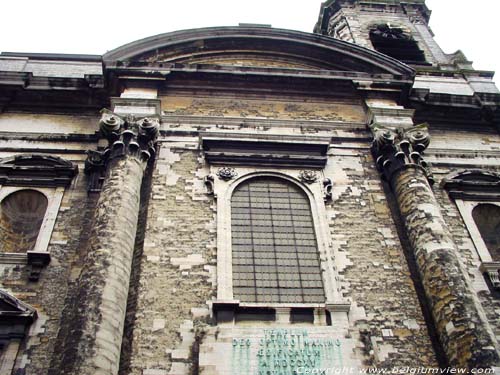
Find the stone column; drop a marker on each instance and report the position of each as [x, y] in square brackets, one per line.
[465, 335]
[104, 280]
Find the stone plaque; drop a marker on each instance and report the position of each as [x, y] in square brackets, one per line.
[276, 351]
[283, 352]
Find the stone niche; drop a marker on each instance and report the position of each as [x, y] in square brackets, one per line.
[21, 216]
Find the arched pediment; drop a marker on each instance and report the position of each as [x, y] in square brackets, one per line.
[36, 160]
[475, 176]
[36, 170]
[254, 46]
[473, 184]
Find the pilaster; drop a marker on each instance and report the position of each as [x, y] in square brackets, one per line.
[398, 148]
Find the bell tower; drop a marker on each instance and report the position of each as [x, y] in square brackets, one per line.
[397, 28]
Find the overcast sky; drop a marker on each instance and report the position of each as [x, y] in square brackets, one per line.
[96, 26]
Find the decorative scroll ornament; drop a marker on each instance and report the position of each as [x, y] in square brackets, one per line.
[110, 123]
[95, 167]
[308, 176]
[394, 148]
[126, 136]
[226, 173]
[327, 186]
[209, 183]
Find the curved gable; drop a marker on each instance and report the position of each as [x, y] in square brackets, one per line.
[254, 46]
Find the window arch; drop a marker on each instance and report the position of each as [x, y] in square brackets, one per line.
[394, 42]
[275, 255]
[487, 219]
[21, 216]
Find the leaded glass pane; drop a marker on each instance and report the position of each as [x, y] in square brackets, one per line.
[275, 254]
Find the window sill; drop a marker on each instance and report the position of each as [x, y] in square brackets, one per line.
[233, 311]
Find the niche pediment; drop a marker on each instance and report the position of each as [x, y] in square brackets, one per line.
[12, 308]
[474, 185]
[36, 170]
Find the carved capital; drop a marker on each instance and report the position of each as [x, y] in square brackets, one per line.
[126, 136]
[129, 135]
[395, 148]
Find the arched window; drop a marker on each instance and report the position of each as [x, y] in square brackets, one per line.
[394, 42]
[487, 219]
[21, 216]
[274, 247]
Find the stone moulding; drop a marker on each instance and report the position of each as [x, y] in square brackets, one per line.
[315, 195]
[50, 175]
[36, 170]
[226, 310]
[265, 150]
[468, 189]
[13, 310]
[473, 184]
[15, 318]
[312, 50]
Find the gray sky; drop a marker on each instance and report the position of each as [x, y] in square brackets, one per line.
[96, 26]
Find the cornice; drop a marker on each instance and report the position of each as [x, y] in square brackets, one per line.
[329, 52]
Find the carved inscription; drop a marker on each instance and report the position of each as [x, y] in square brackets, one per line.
[284, 352]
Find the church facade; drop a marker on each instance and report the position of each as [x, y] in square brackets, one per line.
[250, 200]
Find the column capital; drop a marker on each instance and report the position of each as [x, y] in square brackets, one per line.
[395, 148]
[129, 135]
[126, 136]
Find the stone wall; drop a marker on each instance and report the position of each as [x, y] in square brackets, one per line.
[49, 295]
[466, 152]
[176, 275]
[385, 311]
[178, 267]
